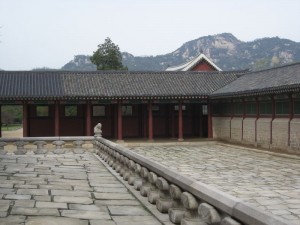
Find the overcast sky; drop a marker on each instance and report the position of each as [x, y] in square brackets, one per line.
[38, 33]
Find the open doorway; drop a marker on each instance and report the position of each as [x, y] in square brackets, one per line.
[11, 121]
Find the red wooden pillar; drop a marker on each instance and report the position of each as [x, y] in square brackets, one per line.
[209, 122]
[172, 121]
[291, 116]
[120, 126]
[180, 122]
[150, 121]
[145, 119]
[273, 117]
[0, 122]
[244, 115]
[231, 116]
[257, 117]
[56, 119]
[88, 119]
[25, 119]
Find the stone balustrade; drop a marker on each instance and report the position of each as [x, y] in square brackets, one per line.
[187, 202]
[43, 145]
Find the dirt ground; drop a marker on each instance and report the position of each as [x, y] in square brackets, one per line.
[13, 133]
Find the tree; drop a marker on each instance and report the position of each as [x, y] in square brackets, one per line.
[108, 56]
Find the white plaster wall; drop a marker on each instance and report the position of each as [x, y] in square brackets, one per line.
[221, 127]
[236, 128]
[249, 130]
[280, 131]
[264, 132]
[295, 134]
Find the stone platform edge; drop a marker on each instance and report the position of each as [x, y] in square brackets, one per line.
[224, 203]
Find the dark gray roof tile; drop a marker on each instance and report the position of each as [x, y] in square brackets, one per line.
[280, 79]
[107, 84]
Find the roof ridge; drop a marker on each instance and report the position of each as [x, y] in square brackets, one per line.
[272, 68]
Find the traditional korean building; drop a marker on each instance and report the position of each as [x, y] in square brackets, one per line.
[199, 63]
[128, 104]
[259, 108]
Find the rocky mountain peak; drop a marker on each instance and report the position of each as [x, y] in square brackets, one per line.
[228, 52]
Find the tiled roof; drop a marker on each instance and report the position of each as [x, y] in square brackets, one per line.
[272, 81]
[192, 63]
[109, 84]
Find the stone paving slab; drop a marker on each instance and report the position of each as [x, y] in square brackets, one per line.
[63, 189]
[269, 181]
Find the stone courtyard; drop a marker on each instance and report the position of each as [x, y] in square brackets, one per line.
[68, 189]
[267, 180]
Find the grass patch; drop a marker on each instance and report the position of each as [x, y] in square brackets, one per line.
[10, 127]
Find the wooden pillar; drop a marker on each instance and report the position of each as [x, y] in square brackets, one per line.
[172, 111]
[145, 119]
[291, 116]
[244, 115]
[201, 121]
[120, 125]
[56, 119]
[209, 117]
[0, 121]
[231, 108]
[25, 119]
[180, 122]
[273, 117]
[257, 117]
[150, 122]
[88, 119]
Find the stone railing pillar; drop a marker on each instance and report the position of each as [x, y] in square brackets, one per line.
[20, 148]
[40, 147]
[209, 214]
[138, 181]
[153, 194]
[58, 147]
[190, 203]
[2, 145]
[164, 202]
[145, 188]
[177, 211]
[132, 175]
[78, 147]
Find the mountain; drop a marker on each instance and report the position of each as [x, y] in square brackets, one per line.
[80, 62]
[224, 49]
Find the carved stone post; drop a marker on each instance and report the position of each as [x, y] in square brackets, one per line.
[145, 188]
[58, 147]
[126, 171]
[78, 147]
[117, 161]
[20, 148]
[124, 165]
[138, 181]
[98, 130]
[165, 201]
[191, 216]
[153, 194]
[2, 151]
[40, 147]
[133, 175]
[177, 211]
[119, 166]
[209, 214]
